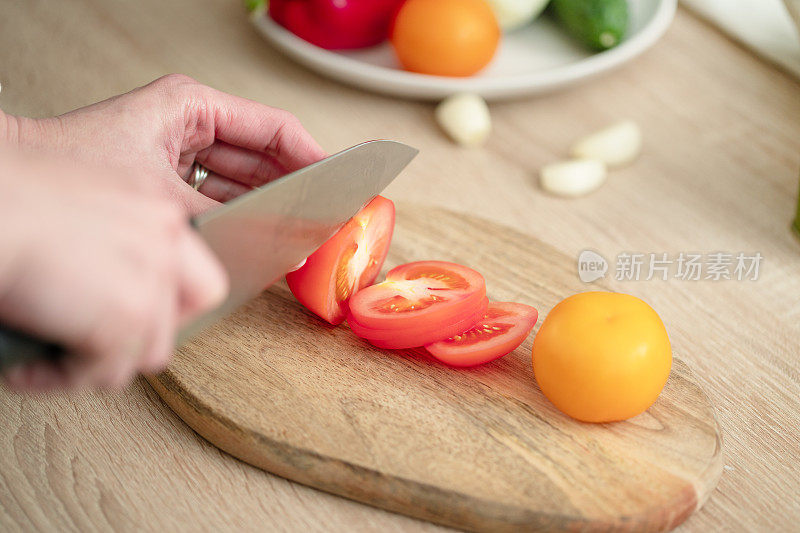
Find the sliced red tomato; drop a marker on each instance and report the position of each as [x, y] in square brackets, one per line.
[346, 263]
[416, 301]
[504, 326]
[411, 338]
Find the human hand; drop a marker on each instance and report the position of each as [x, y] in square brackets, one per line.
[100, 263]
[161, 129]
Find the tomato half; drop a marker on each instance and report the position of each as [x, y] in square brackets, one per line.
[419, 293]
[420, 298]
[411, 338]
[504, 326]
[346, 263]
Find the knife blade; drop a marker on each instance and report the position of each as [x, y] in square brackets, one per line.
[261, 235]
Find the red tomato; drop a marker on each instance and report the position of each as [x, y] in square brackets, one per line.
[411, 338]
[503, 328]
[420, 298]
[346, 263]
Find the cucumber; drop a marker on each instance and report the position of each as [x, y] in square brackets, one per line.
[599, 24]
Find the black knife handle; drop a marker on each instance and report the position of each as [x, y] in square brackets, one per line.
[18, 348]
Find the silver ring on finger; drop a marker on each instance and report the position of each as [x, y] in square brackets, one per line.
[198, 176]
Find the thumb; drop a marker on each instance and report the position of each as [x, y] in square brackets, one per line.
[202, 281]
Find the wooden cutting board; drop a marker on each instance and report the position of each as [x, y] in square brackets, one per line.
[479, 449]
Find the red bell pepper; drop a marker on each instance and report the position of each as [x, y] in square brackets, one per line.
[336, 24]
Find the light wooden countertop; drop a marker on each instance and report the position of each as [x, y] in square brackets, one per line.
[719, 172]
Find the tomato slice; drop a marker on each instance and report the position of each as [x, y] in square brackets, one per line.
[419, 295]
[411, 338]
[504, 326]
[346, 263]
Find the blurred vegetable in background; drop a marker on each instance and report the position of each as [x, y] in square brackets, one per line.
[455, 38]
[336, 24]
[445, 37]
[252, 5]
[598, 24]
[513, 14]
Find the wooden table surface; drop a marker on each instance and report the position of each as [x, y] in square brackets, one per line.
[718, 173]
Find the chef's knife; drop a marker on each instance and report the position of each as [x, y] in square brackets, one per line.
[260, 235]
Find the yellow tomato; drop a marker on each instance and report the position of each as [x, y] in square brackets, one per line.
[602, 356]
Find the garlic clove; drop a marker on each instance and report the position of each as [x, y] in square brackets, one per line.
[465, 118]
[616, 145]
[513, 14]
[572, 178]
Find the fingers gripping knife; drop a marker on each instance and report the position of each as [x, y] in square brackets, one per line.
[260, 235]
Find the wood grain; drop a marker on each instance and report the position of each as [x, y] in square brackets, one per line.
[719, 171]
[478, 449]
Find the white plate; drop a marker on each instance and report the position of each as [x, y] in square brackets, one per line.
[535, 59]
